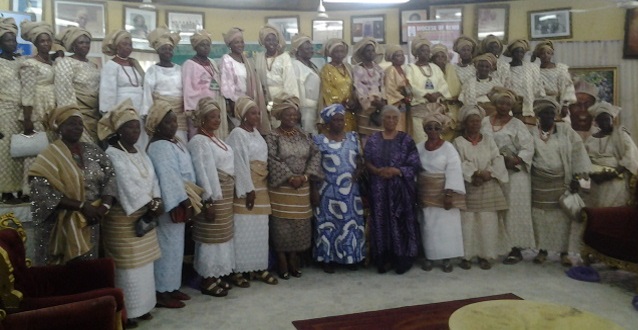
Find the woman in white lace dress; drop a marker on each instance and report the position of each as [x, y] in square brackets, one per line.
[555, 77]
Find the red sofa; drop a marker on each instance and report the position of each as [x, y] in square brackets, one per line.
[27, 288]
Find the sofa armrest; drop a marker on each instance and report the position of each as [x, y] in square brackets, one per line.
[74, 277]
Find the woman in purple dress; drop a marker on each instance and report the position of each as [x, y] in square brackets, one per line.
[392, 162]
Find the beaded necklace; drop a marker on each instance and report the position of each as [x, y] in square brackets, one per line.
[143, 170]
[212, 137]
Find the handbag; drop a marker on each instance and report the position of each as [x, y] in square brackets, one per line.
[571, 203]
[145, 224]
[28, 145]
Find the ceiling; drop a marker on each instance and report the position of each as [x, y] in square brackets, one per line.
[304, 5]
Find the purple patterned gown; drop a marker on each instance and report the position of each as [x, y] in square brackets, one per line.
[392, 201]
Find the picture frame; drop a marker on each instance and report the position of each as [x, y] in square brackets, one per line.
[446, 13]
[186, 23]
[288, 25]
[630, 46]
[491, 19]
[322, 30]
[89, 15]
[367, 26]
[28, 6]
[139, 23]
[550, 24]
[603, 77]
[406, 16]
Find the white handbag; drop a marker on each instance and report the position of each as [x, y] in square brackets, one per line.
[571, 203]
[28, 145]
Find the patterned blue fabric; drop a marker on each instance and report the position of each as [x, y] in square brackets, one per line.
[339, 232]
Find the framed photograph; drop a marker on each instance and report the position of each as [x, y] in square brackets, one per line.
[550, 24]
[406, 16]
[604, 77]
[372, 26]
[140, 22]
[491, 19]
[28, 6]
[322, 30]
[289, 26]
[445, 13]
[186, 23]
[24, 47]
[87, 15]
[630, 49]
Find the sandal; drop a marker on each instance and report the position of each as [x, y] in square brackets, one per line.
[484, 264]
[465, 264]
[296, 273]
[146, 317]
[238, 280]
[179, 295]
[215, 290]
[514, 257]
[223, 284]
[164, 300]
[328, 268]
[540, 257]
[564, 260]
[446, 266]
[267, 278]
[427, 265]
[131, 324]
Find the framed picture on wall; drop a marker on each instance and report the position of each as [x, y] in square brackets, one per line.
[372, 26]
[446, 13]
[630, 49]
[410, 16]
[289, 26]
[322, 30]
[28, 6]
[550, 24]
[604, 77]
[87, 15]
[491, 19]
[139, 22]
[186, 23]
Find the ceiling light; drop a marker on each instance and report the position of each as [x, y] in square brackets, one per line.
[321, 11]
[369, 2]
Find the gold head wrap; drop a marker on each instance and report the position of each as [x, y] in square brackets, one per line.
[488, 40]
[110, 42]
[486, 57]
[518, 43]
[57, 116]
[498, 93]
[156, 113]
[584, 87]
[437, 117]
[204, 106]
[199, 37]
[603, 107]
[8, 24]
[418, 41]
[390, 50]
[232, 34]
[541, 46]
[115, 118]
[298, 40]
[463, 41]
[545, 103]
[331, 44]
[242, 105]
[269, 29]
[439, 48]
[31, 30]
[468, 110]
[67, 37]
[162, 36]
[358, 48]
[282, 102]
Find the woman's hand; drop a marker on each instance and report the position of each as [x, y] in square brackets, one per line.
[574, 186]
[447, 201]
[209, 212]
[92, 214]
[28, 128]
[250, 200]
[155, 207]
[314, 197]
[297, 181]
[485, 175]
[477, 181]
[433, 97]
[511, 162]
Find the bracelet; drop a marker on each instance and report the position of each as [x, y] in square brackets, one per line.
[108, 206]
[81, 206]
[155, 204]
[305, 177]
[190, 206]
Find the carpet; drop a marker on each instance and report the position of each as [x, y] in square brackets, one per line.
[423, 317]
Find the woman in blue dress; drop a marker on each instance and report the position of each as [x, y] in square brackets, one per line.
[339, 231]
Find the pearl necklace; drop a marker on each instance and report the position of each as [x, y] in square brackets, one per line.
[143, 170]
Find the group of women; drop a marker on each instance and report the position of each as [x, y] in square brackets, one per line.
[467, 160]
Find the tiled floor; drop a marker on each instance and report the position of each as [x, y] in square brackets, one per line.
[317, 294]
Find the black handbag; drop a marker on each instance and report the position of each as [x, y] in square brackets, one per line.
[145, 224]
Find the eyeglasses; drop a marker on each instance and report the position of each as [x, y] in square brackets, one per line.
[433, 128]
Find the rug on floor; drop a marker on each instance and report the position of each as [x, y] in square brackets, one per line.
[424, 317]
